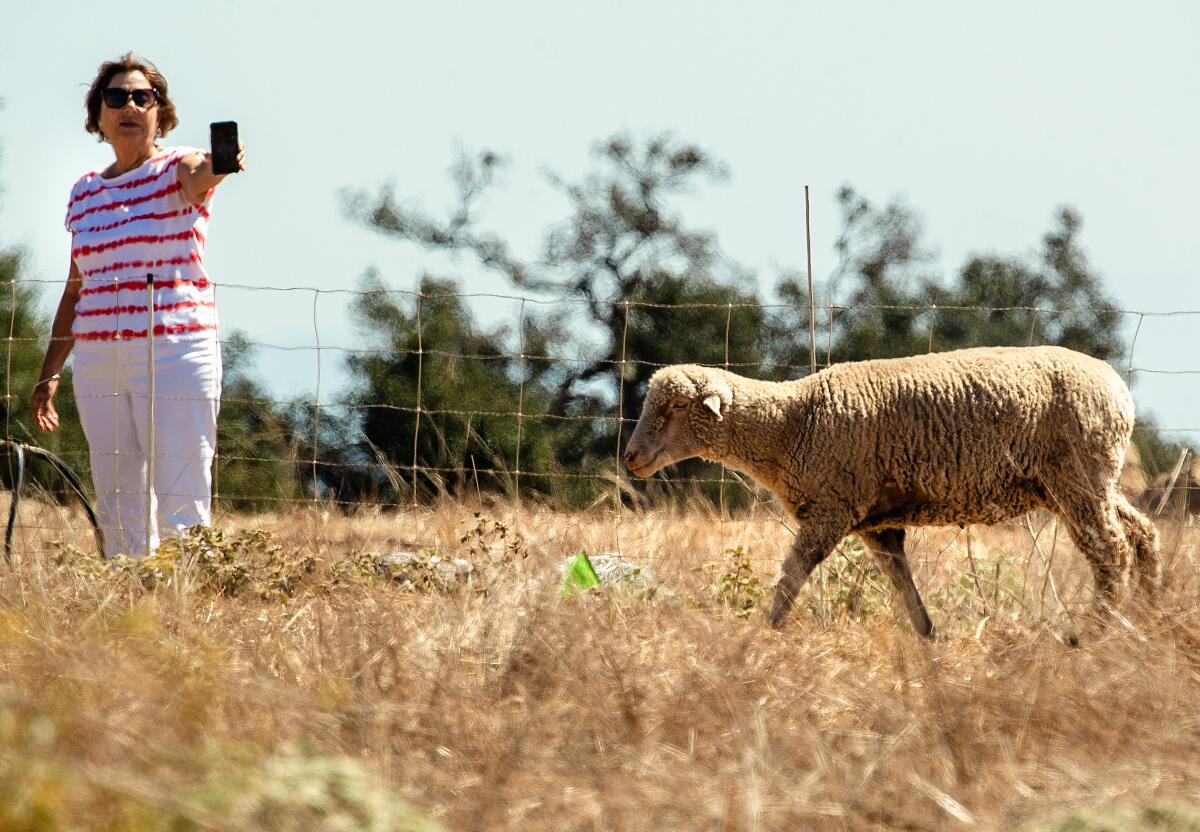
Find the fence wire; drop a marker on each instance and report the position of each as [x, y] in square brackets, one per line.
[402, 475]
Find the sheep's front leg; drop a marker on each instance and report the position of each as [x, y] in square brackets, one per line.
[814, 541]
[888, 548]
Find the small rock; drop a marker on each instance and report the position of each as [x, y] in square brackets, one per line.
[427, 570]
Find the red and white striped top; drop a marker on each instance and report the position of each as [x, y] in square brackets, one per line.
[133, 224]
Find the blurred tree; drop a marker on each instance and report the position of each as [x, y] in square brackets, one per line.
[1058, 300]
[891, 303]
[625, 255]
[656, 292]
[427, 361]
[255, 469]
[1158, 450]
[879, 281]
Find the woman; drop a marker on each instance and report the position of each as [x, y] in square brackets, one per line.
[146, 213]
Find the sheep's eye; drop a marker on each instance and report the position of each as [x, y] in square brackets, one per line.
[679, 405]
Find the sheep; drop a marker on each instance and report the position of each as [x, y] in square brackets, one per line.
[969, 436]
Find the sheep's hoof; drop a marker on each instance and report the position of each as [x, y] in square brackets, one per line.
[780, 608]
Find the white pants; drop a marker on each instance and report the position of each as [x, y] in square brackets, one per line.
[112, 392]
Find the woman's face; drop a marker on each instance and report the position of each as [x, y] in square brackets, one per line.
[130, 124]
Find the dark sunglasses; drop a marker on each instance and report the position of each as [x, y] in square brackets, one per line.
[115, 98]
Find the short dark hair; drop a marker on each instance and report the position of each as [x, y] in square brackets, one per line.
[129, 63]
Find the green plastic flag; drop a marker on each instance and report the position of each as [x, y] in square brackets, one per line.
[579, 575]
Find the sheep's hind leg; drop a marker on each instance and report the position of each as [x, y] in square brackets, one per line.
[813, 543]
[1095, 528]
[1143, 538]
[888, 548]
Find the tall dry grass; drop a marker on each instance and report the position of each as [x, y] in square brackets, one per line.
[128, 700]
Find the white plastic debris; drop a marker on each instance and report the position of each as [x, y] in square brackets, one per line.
[617, 572]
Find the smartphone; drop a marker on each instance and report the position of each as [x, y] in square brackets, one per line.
[223, 137]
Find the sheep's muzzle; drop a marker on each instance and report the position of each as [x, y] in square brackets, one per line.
[638, 460]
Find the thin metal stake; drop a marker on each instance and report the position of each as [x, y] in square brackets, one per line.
[812, 354]
[150, 438]
[812, 309]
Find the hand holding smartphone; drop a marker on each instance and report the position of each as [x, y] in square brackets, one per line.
[223, 138]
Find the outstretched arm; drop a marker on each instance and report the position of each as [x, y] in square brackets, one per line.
[196, 175]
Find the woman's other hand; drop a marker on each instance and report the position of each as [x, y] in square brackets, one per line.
[43, 404]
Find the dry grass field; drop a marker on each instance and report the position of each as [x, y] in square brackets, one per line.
[274, 680]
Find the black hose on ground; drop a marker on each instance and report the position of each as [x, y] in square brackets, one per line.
[17, 487]
[20, 450]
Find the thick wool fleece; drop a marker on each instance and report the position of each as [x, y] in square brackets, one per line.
[970, 436]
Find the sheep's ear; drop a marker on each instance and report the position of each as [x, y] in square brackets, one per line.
[713, 403]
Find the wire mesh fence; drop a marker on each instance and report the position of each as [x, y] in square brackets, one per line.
[439, 406]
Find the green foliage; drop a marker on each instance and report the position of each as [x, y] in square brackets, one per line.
[42, 788]
[433, 373]
[1159, 453]
[733, 582]
[988, 584]
[22, 363]
[1059, 300]
[299, 789]
[493, 542]
[853, 588]
[243, 563]
[32, 787]
[255, 468]
[784, 335]
[624, 254]
[1154, 816]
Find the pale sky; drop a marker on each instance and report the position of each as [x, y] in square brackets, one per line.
[983, 117]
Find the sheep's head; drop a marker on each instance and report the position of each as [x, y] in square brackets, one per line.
[683, 416]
